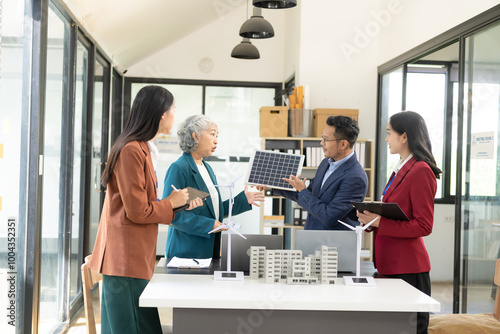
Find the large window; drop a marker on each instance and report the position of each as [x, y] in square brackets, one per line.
[11, 138]
[52, 210]
[77, 203]
[426, 93]
[427, 87]
[391, 97]
[44, 103]
[188, 101]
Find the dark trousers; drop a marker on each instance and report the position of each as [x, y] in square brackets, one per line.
[120, 311]
[422, 282]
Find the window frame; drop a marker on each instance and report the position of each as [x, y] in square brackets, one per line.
[446, 197]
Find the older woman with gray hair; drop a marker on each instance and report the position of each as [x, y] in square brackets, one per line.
[188, 234]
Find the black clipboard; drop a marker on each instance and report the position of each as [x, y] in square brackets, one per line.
[193, 194]
[387, 210]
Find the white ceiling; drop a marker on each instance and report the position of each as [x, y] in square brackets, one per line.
[131, 30]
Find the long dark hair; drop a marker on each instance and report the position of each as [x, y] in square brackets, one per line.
[142, 123]
[418, 137]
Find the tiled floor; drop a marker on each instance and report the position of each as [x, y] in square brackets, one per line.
[479, 297]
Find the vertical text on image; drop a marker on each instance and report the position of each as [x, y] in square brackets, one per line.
[11, 271]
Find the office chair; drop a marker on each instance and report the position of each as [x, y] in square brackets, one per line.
[89, 279]
[469, 323]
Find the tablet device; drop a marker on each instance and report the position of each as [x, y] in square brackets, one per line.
[387, 210]
[193, 194]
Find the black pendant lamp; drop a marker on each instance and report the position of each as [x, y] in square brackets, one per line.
[276, 4]
[245, 50]
[257, 26]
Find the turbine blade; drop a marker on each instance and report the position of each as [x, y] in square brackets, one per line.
[347, 225]
[236, 179]
[366, 226]
[235, 231]
[217, 228]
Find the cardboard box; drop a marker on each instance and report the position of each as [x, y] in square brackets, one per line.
[273, 121]
[320, 115]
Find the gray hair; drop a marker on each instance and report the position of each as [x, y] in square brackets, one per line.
[196, 124]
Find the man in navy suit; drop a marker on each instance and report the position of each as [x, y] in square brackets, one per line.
[339, 180]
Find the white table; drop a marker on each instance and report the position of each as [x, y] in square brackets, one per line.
[202, 305]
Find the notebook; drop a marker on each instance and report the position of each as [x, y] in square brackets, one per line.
[193, 194]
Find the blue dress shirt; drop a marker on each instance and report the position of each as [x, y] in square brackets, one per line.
[333, 166]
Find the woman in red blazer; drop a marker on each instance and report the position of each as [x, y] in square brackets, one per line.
[125, 247]
[399, 250]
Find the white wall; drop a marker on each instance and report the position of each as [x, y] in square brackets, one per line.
[422, 20]
[440, 243]
[339, 77]
[334, 47]
[181, 60]
[293, 25]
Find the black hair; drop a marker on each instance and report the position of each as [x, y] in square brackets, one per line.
[413, 125]
[143, 122]
[345, 128]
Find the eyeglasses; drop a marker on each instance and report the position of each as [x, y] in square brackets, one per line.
[323, 138]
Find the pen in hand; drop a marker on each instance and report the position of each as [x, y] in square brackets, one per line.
[174, 188]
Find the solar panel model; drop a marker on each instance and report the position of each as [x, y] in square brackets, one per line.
[269, 168]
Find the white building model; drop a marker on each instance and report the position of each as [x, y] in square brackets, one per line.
[289, 266]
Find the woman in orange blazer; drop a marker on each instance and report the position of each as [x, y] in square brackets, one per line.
[399, 250]
[125, 247]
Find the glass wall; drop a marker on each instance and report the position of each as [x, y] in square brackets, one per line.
[82, 58]
[94, 154]
[43, 162]
[11, 86]
[98, 143]
[480, 196]
[188, 101]
[391, 101]
[426, 95]
[460, 102]
[427, 86]
[52, 210]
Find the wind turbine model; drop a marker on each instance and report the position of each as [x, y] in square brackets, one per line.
[231, 227]
[358, 280]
